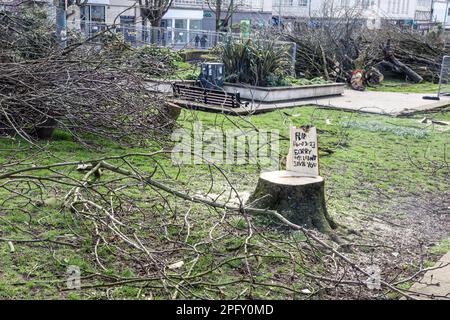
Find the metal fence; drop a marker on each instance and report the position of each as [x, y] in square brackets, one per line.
[174, 38]
[444, 79]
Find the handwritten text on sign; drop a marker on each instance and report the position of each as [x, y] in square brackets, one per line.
[303, 155]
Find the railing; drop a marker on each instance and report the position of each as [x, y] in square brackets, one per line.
[167, 37]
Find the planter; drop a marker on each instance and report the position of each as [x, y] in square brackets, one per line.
[284, 94]
[45, 129]
[262, 95]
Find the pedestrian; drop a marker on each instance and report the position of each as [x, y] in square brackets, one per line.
[203, 41]
[197, 40]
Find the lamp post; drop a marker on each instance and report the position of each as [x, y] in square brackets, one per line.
[61, 23]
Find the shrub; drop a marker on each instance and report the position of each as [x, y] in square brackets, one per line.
[255, 61]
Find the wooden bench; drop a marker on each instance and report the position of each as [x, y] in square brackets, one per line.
[207, 96]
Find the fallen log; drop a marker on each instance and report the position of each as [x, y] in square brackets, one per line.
[398, 66]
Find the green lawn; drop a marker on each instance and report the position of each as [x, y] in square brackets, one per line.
[362, 156]
[405, 87]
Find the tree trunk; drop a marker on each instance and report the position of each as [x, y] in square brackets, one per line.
[154, 34]
[299, 199]
[144, 29]
[398, 66]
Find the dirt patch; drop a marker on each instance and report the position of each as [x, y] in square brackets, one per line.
[398, 240]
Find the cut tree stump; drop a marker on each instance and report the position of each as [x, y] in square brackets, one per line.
[299, 199]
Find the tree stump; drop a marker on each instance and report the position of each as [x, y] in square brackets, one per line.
[299, 199]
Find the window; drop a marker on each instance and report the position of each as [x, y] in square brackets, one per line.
[93, 13]
[166, 23]
[287, 3]
[195, 24]
[181, 35]
[303, 3]
[98, 13]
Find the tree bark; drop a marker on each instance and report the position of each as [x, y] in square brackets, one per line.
[299, 199]
[398, 66]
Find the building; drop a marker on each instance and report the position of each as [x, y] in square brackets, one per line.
[407, 13]
[441, 12]
[194, 15]
[184, 14]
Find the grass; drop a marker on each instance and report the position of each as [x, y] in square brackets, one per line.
[441, 248]
[405, 87]
[362, 155]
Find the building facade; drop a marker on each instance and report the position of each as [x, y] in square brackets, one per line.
[197, 14]
[375, 12]
[184, 14]
[441, 12]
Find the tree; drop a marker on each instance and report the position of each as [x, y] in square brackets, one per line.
[153, 11]
[223, 11]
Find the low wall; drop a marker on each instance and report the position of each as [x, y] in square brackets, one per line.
[285, 94]
[263, 94]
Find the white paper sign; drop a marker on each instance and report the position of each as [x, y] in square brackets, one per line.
[303, 154]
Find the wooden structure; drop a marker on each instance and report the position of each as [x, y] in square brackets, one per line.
[207, 96]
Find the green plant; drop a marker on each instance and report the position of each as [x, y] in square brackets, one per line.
[306, 82]
[156, 61]
[255, 61]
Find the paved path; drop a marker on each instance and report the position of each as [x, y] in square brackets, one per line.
[435, 283]
[391, 103]
[388, 103]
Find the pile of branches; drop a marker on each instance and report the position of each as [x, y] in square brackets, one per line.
[421, 53]
[336, 47]
[83, 88]
[178, 243]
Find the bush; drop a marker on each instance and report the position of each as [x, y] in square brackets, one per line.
[156, 61]
[256, 62]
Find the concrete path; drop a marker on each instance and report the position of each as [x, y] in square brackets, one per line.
[390, 103]
[435, 283]
[387, 103]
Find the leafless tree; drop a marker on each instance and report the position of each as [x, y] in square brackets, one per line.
[340, 43]
[223, 11]
[153, 11]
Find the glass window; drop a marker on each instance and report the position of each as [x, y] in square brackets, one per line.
[98, 13]
[180, 23]
[194, 34]
[166, 23]
[195, 24]
[84, 13]
[180, 35]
